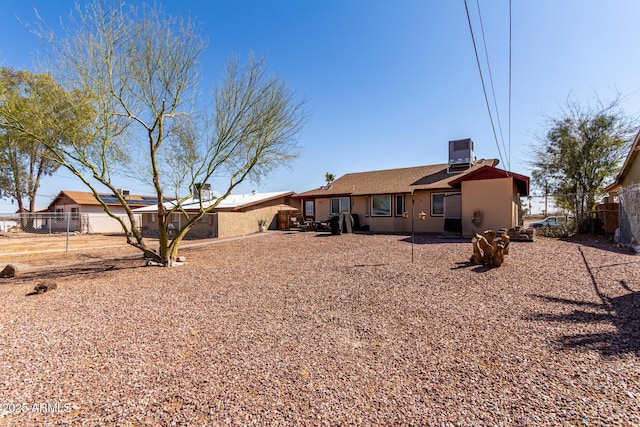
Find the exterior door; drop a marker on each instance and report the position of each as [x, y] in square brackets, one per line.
[309, 210]
[453, 214]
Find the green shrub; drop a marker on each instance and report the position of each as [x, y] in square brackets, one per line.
[563, 230]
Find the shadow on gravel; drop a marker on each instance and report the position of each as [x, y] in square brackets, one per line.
[430, 239]
[597, 242]
[91, 270]
[623, 312]
[476, 268]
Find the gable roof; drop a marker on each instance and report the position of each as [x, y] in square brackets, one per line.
[233, 202]
[394, 181]
[488, 172]
[85, 198]
[631, 158]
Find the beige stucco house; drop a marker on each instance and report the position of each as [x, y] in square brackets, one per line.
[80, 211]
[461, 197]
[627, 188]
[236, 215]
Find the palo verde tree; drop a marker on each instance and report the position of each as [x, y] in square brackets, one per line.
[35, 102]
[580, 152]
[139, 67]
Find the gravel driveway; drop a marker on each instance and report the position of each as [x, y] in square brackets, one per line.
[313, 329]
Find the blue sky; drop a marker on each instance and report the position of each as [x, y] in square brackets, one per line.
[389, 83]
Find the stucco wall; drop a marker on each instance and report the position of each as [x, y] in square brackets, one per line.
[633, 173]
[495, 198]
[231, 224]
[228, 223]
[323, 209]
[392, 224]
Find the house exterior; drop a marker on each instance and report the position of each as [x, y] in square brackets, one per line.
[460, 198]
[80, 211]
[236, 215]
[627, 188]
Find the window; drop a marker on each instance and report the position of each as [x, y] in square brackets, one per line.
[399, 204]
[175, 217]
[153, 217]
[381, 205]
[340, 204]
[437, 204]
[59, 214]
[75, 213]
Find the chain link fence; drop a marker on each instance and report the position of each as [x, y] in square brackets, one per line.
[43, 223]
[51, 231]
[64, 231]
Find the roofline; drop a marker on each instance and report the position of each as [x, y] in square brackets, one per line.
[132, 203]
[633, 152]
[268, 199]
[523, 178]
[195, 206]
[316, 192]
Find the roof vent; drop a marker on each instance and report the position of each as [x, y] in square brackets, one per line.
[201, 190]
[461, 155]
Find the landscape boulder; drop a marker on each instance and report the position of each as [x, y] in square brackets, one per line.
[9, 271]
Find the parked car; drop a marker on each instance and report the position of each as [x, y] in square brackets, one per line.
[550, 221]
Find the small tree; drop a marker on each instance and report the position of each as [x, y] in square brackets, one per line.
[580, 151]
[329, 177]
[34, 114]
[140, 69]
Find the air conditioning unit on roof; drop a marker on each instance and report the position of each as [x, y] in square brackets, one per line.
[461, 155]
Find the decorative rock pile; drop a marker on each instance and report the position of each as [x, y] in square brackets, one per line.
[490, 248]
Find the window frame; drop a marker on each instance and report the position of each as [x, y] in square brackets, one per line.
[340, 207]
[389, 205]
[433, 213]
[400, 205]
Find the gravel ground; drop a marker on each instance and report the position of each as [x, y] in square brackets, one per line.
[312, 329]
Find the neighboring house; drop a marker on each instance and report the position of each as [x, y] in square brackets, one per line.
[627, 188]
[236, 215]
[462, 197]
[80, 211]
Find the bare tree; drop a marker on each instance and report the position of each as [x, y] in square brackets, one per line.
[139, 67]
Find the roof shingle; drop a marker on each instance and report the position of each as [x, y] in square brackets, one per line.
[394, 181]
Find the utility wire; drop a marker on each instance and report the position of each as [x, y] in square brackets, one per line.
[484, 89]
[510, 44]
[493, 92]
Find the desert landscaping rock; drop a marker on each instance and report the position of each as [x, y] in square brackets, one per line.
[9, 271]
[314, 329]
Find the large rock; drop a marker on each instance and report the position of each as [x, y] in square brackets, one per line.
[9, 271]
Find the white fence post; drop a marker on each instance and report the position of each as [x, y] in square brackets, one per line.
[68, 225]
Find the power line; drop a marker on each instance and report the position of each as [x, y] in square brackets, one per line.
[484, 89]
[493, 92]
[510, 33]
